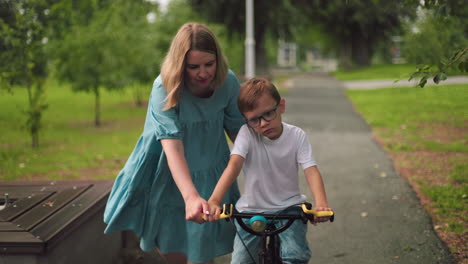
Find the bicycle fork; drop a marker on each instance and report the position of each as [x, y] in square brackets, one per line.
[270, 253]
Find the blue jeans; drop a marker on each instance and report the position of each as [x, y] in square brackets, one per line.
[294, 248]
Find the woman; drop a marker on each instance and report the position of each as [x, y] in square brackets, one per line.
[181, 154]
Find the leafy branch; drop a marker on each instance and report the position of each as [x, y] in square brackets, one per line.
[459, 59]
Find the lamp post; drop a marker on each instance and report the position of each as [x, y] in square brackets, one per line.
[250, 40]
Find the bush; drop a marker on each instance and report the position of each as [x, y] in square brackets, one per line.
[433, 38]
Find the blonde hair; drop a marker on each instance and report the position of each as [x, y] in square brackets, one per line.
[191, 36]
[252, 90]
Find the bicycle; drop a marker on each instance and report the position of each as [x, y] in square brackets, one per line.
[262, 225]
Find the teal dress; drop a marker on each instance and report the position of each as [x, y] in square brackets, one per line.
[145, 198]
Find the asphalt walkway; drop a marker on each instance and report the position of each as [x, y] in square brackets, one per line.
[378, 216]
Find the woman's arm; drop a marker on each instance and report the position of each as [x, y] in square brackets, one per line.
[194, 204]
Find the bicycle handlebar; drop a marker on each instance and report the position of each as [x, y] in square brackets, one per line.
[229, 211]
[258, 222]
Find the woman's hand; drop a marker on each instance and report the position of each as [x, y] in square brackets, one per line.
[194, 207]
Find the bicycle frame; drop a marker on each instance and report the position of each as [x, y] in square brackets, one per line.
[270, 252]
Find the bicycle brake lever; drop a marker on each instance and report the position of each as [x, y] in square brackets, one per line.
[225, 214]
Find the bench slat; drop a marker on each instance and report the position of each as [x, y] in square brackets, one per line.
[48, 207]
[21, 205]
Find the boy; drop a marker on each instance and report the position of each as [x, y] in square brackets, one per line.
[270, 152]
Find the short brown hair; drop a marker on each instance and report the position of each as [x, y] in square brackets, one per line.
[191, 36]
[252, 90]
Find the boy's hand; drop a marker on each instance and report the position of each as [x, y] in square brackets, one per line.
[321, 219]
[214, 211]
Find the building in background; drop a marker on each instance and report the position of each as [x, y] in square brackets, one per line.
[287, 54]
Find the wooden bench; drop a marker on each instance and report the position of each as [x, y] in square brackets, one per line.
[56, 222]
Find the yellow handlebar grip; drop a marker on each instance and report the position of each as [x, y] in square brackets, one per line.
[323, 213]
[315, 213]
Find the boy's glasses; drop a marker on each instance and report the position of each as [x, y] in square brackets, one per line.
[267, 116]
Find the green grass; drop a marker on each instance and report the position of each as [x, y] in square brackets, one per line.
[382, 72]
[377, 72]
[405, 116]
[460, 175]
[68, 140]
[406, 111]
[450, 202]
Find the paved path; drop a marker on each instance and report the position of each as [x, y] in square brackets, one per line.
[378, 217]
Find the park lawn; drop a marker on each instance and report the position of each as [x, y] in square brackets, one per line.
[377, 72]
[71, 147]
[425, 130]
[382, 72]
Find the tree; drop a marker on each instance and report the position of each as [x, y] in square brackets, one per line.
[452, 51]
[449, 8]
[273, 17]
[149, 42]
[24, 60]
[357, 26]
[106, 51]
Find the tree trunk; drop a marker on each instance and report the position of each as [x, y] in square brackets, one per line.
[138, 94]
[97, 107]
[344, 59]
[35, 139]
[261, 60]
[34, 113]
[361, 52]
[355, 52]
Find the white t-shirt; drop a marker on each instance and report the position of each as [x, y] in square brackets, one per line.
[271, 168]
